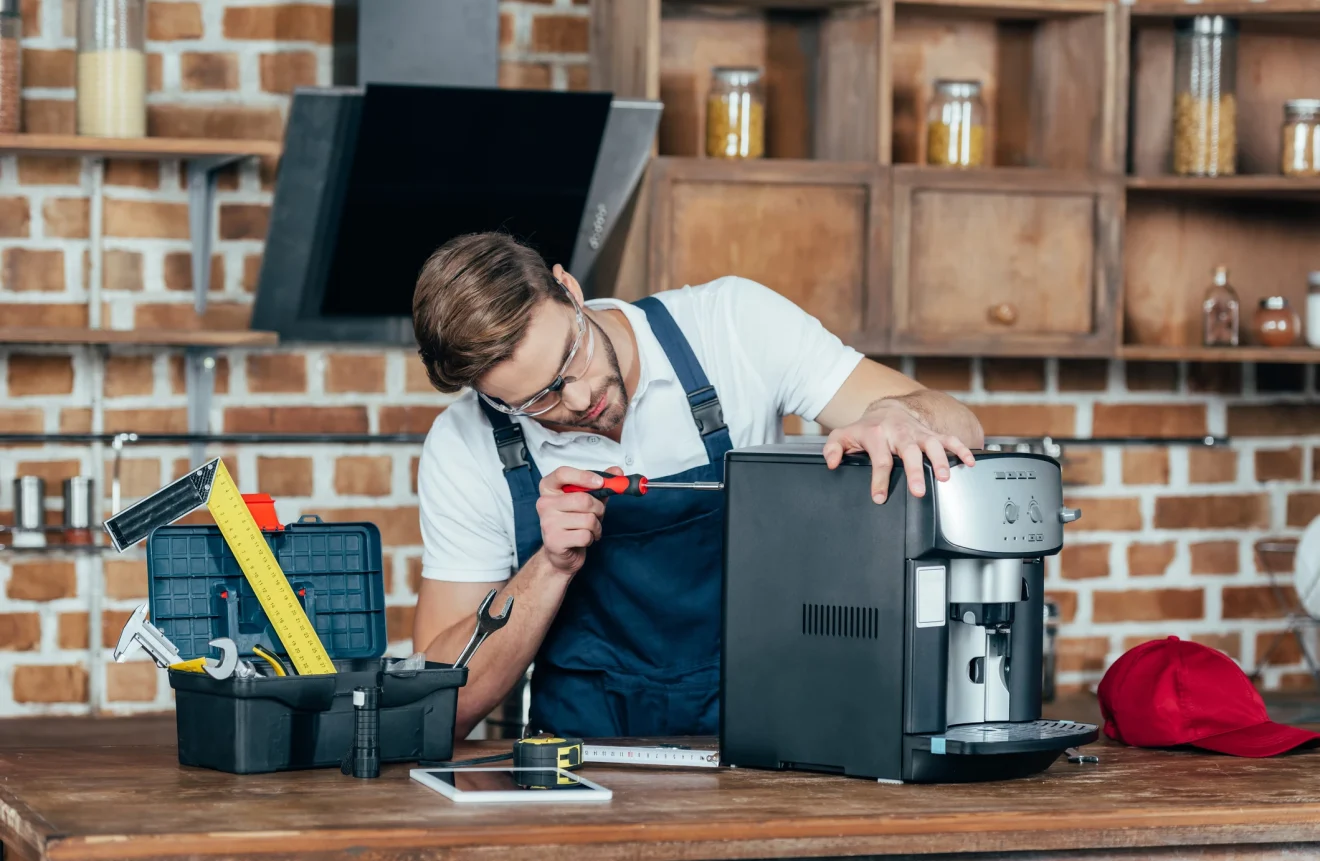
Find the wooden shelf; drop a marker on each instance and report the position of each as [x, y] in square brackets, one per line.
[142, 337]
[1262, 355]
[1007, 9]
[1237, 8]
[772, 4]
[1259, 186]
[138, 148]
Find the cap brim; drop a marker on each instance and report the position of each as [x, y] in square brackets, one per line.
[1263, 739]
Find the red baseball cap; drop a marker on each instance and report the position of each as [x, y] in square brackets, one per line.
[1172, 692]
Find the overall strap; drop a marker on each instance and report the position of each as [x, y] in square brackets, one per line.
[523, 477]
[703, 400]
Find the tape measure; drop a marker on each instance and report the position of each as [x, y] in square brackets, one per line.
[212, 486]
[547, 754]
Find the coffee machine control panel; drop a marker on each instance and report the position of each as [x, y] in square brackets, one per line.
[1004, 504]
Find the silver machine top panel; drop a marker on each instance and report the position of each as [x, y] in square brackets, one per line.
[1008, 504]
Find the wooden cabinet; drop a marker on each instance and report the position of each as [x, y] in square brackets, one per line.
[814, 232]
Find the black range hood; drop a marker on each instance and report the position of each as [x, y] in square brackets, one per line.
[373, 179]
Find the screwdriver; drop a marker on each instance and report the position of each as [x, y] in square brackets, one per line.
[638, 485]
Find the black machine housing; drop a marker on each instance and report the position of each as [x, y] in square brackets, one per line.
[824, 665]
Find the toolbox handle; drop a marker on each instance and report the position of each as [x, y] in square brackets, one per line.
[310, 518]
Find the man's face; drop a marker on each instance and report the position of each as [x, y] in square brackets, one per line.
[593, 400]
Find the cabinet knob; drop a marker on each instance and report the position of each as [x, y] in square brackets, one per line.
[1004, 312]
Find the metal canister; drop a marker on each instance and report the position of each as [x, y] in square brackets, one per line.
[1047, 663]
[79, 502]
[29, 502]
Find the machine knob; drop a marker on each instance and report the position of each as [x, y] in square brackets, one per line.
[1033, 511]
[1068, 515]
[1011, 512]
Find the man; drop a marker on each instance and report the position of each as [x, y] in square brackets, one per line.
[617, 601]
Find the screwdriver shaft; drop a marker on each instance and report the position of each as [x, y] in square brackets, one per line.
[685, 485]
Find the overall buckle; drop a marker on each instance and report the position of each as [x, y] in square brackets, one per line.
[509, 445]
[708, 414]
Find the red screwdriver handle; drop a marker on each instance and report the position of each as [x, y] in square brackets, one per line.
[615, 485]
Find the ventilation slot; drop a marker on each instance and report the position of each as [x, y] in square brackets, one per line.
[832, 620]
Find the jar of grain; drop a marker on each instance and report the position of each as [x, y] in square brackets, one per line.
[1301, 137]
[735, 113]
[1204, 100]
[1277, 324]
[955, 125]
[112, 69]
[11, 34]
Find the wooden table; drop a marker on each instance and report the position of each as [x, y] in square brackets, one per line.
[74, 788]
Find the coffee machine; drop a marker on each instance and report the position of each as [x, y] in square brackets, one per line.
[899, 641]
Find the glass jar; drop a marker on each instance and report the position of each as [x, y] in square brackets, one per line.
[735, 113]
[11, 73]
[1221, 312]
[1301, 137]
[1313, 309]
[1204, 100]
[1277, 324]
[112, 69]
[955, 125]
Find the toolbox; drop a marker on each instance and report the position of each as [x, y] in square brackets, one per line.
[197, 592]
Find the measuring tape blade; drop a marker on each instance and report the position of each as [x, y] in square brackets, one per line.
[264, 574]
[176, 499]
[670, 756]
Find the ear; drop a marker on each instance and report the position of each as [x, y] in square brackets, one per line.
[568, 281]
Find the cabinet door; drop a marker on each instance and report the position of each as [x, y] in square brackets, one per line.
[1005, 262]
[812, 231]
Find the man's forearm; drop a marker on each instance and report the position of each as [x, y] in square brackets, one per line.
[942, 414]
[537, 590]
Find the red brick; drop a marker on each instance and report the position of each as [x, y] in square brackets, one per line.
[251, 272]
[1273, 420]
[167, 22]
[415, 379]
[363, 475]
[75, 420]
[224, 316]
[285, 476]
[413, 468]
[49, 170]
[71, 632]
[524, 76]
[1286, 650]
[1215, 557]
[1303, 508]
[50, 69]
[399, 527]
[354, 372]
[208, 71]
[414, 574]
[1149, 560]
[1081, 654]
[112, 622]
[506, 30]
[131, 682]
[53, 472]
[1214, 378]
[1145, 466]
[1026, 419]
[1229, 511]
[178, 271]
[138, 477]
[399, 623]
[579, 77]
[126, 376]
[215, 121]
[155, 72]
[560, 34]
[1280, 559]
[1083, 561]
[1067, 601]
[1151, 376]
[29, 270]
[173, 420]
[50, 684]
[71, 315]
[178, 375]
[1147, 605]
[40, 375]
[1156, 420]
[15, 217]
[287, 70]
[296, 420]
[125, 579]
[22, 421]
[1083, 466]
[49, 116]
[1013, 375]
[132, 173]
[122, 270]
[1101, 514]
[145, 219]
[42, 580]
[1229, 644]
[277, 373]
[1279, 465]
[20, 632]
[1083, 375]
[411, 420]
[1256, 602]
[244, 221]
[939, 373]
[1291, 682]
[1212, 465]
[66, 218]
[30, 10]
[293, 22]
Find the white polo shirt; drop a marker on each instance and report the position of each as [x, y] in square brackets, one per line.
[766, 357]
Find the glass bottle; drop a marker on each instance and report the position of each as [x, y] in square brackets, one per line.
[1276, 323]
[112, 69]
[11, 72]
[955, 125]
[1204, 96]
[735, 113]
[1221, 312]
[1301, 137]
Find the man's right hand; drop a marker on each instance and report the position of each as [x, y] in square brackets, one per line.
[570, 522]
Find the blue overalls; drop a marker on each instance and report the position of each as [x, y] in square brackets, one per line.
[635, 647]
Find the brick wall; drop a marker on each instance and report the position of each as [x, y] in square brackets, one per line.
[1145, 559]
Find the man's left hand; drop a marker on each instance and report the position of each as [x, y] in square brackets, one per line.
[889, 428]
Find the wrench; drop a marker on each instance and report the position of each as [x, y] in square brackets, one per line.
[221, 669]
[486, 624]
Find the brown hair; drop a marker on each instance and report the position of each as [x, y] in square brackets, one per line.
[472, 304]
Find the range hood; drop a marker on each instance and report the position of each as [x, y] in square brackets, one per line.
[374, 178]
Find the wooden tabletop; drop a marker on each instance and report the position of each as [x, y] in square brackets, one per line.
[113, 788]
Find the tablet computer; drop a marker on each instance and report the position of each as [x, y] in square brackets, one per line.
[502, 784]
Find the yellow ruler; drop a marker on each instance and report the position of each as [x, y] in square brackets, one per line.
[212, 486]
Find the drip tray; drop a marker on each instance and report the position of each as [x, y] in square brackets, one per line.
[992, 738]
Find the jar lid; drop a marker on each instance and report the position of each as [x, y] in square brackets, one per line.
[1306, 105]
[958, 89]
[737, 76]
[1313, 280]
[1207, 25]
[1273, 303]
